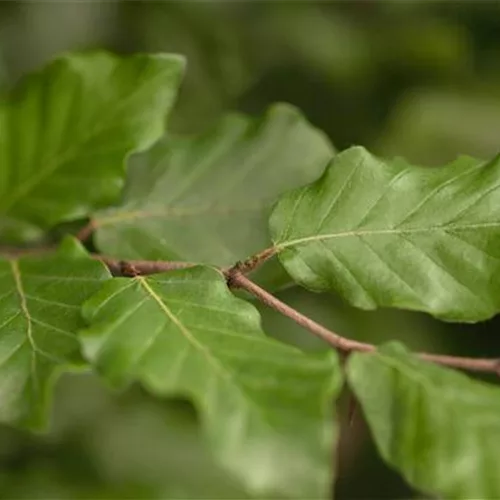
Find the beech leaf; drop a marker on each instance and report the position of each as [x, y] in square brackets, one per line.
[66, 131]
[385, 233]
[437, 427]
[216, 188]
[266, 407]
[40, 302]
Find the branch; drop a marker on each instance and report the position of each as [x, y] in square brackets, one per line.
[255, 261]
[85, 232]
[117, 266]
[133, 267]
[237, 279]
[491, 365]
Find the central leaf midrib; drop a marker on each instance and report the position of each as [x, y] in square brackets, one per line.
[16, 273]
[210, 358]
[35, 180]
[61, 158]
[172, 212]
[389, 231]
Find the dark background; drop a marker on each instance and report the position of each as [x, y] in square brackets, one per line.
[411, 78]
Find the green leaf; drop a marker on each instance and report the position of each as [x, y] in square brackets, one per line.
[266, 407]
[66, 131]
[384, 233]
[40, 301]
[436, 426]
[206, 199]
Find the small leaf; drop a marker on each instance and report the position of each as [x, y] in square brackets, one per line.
[40, 300]
[436, 426]
[266, 407]
[390, 234]
[66, 131]
[216, 189]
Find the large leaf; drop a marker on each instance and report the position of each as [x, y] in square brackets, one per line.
[206, 199]
[40, 301]
[66, 131]
[266, 407]
[436, 426]
[384, 233]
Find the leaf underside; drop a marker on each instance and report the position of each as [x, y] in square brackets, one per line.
[40, 301]
[385, 233]
[265, 407]
[206, 199]
[66, 131]
[436, 426]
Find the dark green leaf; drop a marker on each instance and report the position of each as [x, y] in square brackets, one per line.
[206, 199]
[436, 426]
[40, 301]
[384, 233]
[266, 407]
[66, 131]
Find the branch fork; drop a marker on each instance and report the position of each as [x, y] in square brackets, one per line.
[236, 278]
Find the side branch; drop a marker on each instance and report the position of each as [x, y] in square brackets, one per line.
[238, 280]
[86, 231]
[254, 261]
[117, 266]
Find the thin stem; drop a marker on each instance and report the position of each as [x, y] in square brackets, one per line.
[84, 233]
[491, 365]
[255, 261]
[118, 266]
[237, 279]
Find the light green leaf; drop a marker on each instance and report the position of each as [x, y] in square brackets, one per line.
[385, 233]
[266, 407]
[436, 426]
[66, 131]
[206, 199]
[40, 301]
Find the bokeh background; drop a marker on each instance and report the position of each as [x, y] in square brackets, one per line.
[412, 78]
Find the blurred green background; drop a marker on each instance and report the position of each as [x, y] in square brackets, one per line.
[412, 78]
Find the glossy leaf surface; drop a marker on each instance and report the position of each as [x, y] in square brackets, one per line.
[66, 131]
[207, 198]
[385, 233]
[266, 407]
[40, 302]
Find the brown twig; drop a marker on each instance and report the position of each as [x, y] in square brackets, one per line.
[17, 253]
[491, 365]
[85, 232]
[117, 266]
[237, 279]
[254, 261]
